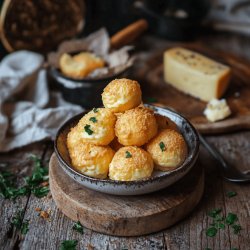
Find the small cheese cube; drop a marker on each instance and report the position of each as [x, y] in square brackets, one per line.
[195, 74]
[217, 110]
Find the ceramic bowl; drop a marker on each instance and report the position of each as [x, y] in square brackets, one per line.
[159, 179]
[85, 92]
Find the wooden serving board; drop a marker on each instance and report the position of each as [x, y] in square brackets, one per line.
[237, 95]
[125, 215]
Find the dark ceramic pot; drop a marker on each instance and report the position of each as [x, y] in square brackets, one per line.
[85, 92]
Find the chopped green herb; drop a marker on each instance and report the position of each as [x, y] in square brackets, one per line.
[151, 100]
[68, 245]
[162, 146]
[234, 248]
[17, 219]
[220, 225]
[95, 110]
[231, 218]
[40, 192]
[231, 194]
[236, 228]
[208, 248]
[25, 227]
[88, 130]
[9, 190]
[93, 119]
[211, 232]
[213, 213]
[128, 154]
[78, 227]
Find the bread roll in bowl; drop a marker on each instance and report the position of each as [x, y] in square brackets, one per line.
[90, 159]
[97, 127]
[80, 65]
[168, 150]
[135, 127]
[130, 164]
[121, 94]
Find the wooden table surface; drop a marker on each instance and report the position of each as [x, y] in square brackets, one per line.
[190, 233]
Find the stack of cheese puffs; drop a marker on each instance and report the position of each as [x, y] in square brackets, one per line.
[124, 141]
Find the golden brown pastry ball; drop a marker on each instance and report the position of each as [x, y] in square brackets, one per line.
[168, 149]
[80, 65]
[97, 127]
[130, 164]
[121, 94]
[165, 122]
[90, 159]
[136, 126]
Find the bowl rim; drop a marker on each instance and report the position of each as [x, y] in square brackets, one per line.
[185, 165]
[58, 75]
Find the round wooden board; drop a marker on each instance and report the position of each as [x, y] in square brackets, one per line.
[125, 215]
[237, 95]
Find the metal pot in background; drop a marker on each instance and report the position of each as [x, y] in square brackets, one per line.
[174, 19]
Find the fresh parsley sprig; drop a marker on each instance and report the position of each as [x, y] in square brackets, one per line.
[17, 222]
[78, 227]
[68, 245]
[33, 183]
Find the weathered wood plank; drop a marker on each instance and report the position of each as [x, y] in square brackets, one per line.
[18, 162]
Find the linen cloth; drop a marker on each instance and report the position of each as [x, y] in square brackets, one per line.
[28, 111]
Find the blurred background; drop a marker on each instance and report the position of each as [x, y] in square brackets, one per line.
[41, 25]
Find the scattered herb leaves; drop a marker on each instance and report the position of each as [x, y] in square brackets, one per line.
[211, 231]
[162, 146]
[219, 222]
[93, 119]
[88, 130]
[40, 192]
[231, 218]
[231, 194]
[17, 219]
[95, 110]
[68, 245]
[17, 222]
[236, 228]
[78, 227]
[25, 227]
[9, 190]
[213, 213]
[128, 154]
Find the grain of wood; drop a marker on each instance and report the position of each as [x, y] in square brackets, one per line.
[189, 233]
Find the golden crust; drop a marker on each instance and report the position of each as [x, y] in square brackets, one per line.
[136, 126]
[80, 65]
[175, 151]
[121, 94]
[90, 159]
[165, 122]
[136, 167]
[101, 123]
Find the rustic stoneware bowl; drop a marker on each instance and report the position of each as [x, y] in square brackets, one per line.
[159, 180]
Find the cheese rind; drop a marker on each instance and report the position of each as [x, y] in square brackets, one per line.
[195, 74]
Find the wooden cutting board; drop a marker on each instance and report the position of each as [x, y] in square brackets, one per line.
[237, 95]
[126, 215]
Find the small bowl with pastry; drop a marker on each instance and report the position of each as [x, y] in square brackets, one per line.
[82, 68]
[125, 147]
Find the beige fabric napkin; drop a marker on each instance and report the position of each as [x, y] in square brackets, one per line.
[28, 111]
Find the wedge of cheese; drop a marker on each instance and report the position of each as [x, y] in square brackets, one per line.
[195, 74]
